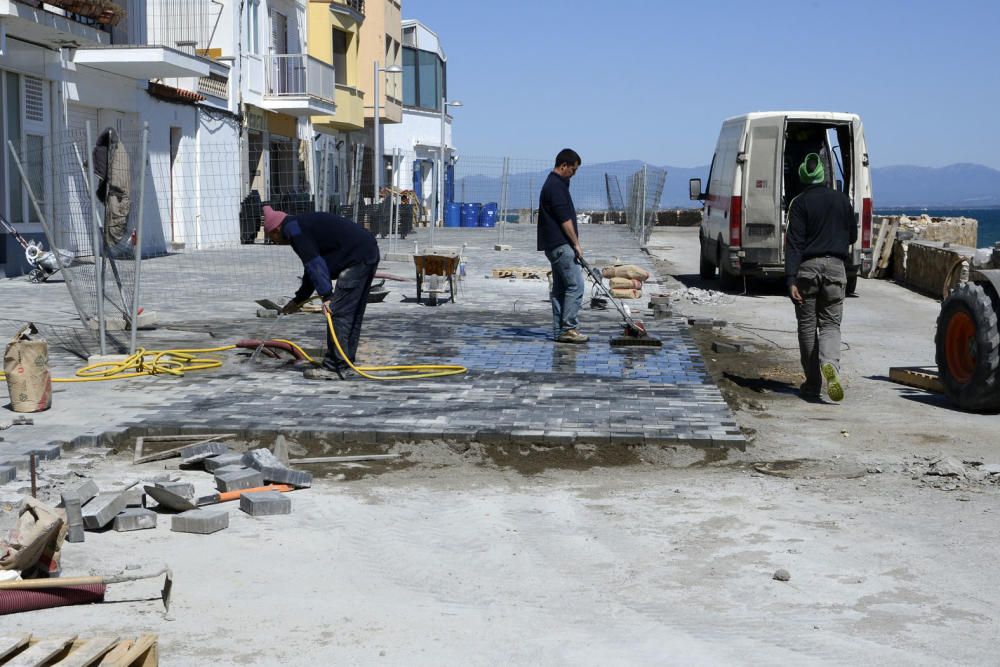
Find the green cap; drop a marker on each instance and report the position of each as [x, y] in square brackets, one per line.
[817, 175]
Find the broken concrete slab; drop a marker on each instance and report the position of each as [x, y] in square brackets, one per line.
[273, 470]
[201, 522]
[238, 480]
[265, 503]
[135, 518]
[200, 452]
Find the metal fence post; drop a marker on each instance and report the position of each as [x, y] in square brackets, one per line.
[138, 236]
[98, 274]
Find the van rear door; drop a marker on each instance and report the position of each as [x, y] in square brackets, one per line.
[762, 232]
[861, 194]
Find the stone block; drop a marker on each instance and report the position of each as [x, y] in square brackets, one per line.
[7, 474]
[719, 346]
[135, 518]
[135, 497]
[265, 503]
[234, 467]
[74, 517]
[212, 464]
[85, 492]
[200, 452]
[201, 522]
[272, 470]
[100, 511]
[239, 479]
[182, 489]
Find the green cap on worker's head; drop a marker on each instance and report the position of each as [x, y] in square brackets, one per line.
[811, 170]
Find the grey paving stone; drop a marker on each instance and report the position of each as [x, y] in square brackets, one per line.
[265, 503]
[239, 479]
[199, 521]
[195, 453]
[135, 518]
[74, 518]
[83, 492]
[100, 511]
[213, 463]
[272, 470]
[182, 489]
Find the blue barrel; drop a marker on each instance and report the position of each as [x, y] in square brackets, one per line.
[453, 214]
[470, 214]
[488, 216]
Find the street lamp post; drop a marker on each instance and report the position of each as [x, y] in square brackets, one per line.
[441, 161]
[377, 152]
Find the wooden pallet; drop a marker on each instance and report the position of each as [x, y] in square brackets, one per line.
[71, 651]
[521, 272]
[921, 377]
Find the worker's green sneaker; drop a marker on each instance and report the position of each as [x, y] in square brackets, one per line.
[834, 389]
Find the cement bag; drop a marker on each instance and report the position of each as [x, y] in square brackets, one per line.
[626, 271]
[26, 364]
[625, 293]
[34, 545]
[625, 283]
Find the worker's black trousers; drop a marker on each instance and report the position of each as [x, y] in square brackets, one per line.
[350, 298]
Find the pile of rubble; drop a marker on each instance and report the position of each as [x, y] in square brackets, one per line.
[950, 474]
[701, 297]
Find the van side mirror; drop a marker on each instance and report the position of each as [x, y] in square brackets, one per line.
[694, 189]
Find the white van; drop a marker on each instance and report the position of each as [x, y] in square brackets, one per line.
[753, 178]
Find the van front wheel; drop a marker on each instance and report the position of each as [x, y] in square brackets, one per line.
[706, 269]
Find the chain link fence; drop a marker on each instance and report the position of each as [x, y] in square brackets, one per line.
[154, 226]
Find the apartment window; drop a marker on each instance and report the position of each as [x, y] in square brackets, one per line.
[340, 41]
[253, 26]
[423, 79]
[34, 167]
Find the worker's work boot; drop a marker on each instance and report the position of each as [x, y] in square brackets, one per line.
[834, 389]
[326, 372]
[572, 336]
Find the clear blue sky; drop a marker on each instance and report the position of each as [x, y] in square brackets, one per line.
[653, 79]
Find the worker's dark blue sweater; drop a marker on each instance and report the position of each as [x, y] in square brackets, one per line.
[327, 244]
[820, 224]
[555, 206]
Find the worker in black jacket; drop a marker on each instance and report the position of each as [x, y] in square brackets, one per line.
[821, 230]
[331, 248]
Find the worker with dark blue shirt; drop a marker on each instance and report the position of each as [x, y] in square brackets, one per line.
[331, 248]
[559, 239]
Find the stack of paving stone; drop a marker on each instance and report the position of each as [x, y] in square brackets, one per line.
[89, 509]
[660, 305]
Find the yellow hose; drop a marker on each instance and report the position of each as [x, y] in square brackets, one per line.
[179, 362]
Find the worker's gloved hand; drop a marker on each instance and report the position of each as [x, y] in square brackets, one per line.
[292, 306]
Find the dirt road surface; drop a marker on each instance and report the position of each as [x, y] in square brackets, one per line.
[453, 559]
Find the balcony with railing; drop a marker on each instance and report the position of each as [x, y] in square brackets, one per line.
[298, 84]
[356, 7]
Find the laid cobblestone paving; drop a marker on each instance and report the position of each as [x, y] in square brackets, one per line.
[521, 388]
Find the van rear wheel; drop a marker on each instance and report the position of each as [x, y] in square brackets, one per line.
[967, 346]
[706, 269]
[727, 281]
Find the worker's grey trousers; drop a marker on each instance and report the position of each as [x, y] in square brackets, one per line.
[822, 283]
[567, 288]
[350, 298]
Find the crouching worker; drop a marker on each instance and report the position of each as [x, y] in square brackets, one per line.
[331, 248]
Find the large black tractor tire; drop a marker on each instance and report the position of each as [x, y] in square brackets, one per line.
[706, 269]
[967, 344]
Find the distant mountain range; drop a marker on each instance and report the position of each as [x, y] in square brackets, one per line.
[955, 186]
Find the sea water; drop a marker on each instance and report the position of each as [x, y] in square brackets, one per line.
[988, 230]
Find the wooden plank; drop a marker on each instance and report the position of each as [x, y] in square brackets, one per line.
[882, 259]
[40, 653]
[87, 652]
[116, 653]
[141, 653]
[193, 436]
[344, 459]
[921, 377]
[883, 231]
[10, 645]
